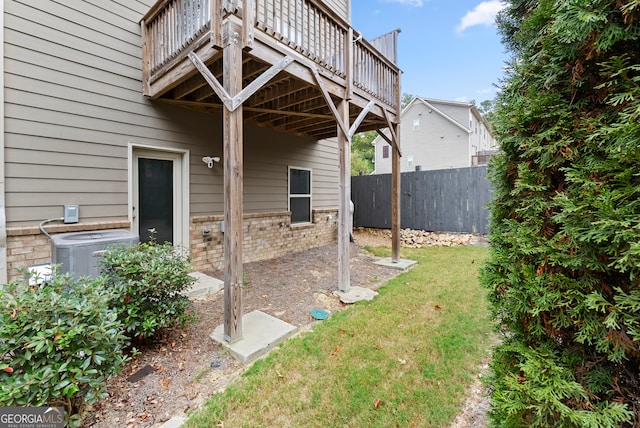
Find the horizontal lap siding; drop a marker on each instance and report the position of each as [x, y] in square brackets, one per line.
[266, 169]
[73, 103]
[340, 7]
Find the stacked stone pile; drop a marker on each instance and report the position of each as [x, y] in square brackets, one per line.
[411, 238]
[419, 238]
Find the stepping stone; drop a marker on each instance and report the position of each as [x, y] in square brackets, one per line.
[356, 294]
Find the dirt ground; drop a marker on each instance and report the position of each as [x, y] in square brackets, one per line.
[184, 367]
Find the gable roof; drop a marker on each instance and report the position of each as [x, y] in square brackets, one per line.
[431, 104]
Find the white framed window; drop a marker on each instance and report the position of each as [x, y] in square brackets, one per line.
[410, 161]
[300, 194]
[416, 124]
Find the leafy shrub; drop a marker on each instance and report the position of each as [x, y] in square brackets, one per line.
[58, 344]
[148, 280]
[565, 218]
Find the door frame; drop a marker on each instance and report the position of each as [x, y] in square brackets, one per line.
[181, 188]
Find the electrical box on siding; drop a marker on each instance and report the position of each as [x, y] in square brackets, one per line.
[71, 213]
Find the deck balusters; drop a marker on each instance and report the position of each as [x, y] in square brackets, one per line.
[304, 25]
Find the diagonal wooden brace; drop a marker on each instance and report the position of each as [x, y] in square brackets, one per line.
[393, 141]
[211, 80]
[360, 118]
[334, 110]
[258, 83]
[232, 103]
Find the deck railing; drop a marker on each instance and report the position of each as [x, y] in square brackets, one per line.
[172, 25]
[375, 74]
[307, 26]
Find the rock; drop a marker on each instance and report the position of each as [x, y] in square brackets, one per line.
[411, 238]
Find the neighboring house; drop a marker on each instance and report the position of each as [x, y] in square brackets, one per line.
[109, 104]
[437, 134]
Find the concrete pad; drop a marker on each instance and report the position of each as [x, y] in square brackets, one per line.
[174, 422]
[402, 264]
[356, 294]
[204, 286]
[261, 333]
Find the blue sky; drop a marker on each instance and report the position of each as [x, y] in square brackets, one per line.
[447, 49]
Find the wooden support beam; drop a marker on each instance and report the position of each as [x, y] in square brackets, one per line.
[394, 129]
[349, 65]
[344, 195]
[233, 190]
[395, 191]
[248, 23]
[395, 199]
[216, 22]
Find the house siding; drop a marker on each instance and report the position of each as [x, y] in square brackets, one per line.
[449, 135]
[3, 223]
[73, 105]
[341, 7]
[459, 111]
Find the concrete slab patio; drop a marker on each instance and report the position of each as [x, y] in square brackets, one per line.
[260, 333]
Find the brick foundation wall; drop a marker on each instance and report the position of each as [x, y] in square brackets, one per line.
[266, 236]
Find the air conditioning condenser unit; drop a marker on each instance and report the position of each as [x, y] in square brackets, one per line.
[79, 252]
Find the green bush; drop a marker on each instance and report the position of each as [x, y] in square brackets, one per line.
[149, 280]
[58, 344]
[565, 218]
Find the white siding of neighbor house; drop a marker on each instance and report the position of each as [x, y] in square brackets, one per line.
[449, 134]
[439, 144]
[73, 103]
[457, 111]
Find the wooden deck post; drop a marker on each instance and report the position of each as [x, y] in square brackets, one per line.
[344, 198]
[233, 178]
[395, 198]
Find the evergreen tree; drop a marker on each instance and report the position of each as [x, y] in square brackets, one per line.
[564, 271]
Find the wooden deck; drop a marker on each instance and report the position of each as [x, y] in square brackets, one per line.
[292, 65]
[324, 58]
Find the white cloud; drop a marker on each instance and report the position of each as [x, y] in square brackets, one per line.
[414, 3]
[461, 99]
[483, 14]
[484, 91]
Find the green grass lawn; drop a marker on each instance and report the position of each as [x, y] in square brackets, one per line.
[404, 359]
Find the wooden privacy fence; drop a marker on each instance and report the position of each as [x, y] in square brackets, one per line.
[446, 200]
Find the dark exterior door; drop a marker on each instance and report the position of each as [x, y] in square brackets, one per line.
[156, 199]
